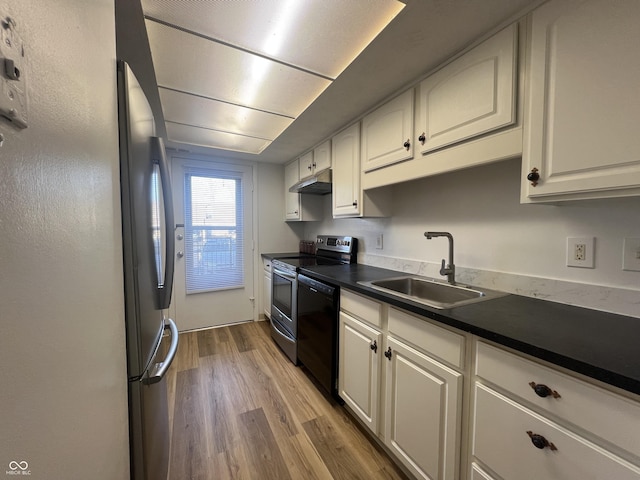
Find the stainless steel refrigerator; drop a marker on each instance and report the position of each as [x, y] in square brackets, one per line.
[148, 251]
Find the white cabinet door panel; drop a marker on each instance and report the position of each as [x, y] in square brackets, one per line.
[346, 194]
[422, 404]
[474, 94]
[359, 368]
[583, 100]
[386, 131]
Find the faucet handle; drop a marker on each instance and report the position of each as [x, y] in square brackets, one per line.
[443, 269]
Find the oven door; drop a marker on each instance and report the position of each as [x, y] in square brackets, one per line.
[284, 289]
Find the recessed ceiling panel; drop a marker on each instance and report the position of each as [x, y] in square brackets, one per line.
[193, 64]
[188, 109]
[322, 36]
[211, 138]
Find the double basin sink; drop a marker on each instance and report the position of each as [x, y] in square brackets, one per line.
[431, 292]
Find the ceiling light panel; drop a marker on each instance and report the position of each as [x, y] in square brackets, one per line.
[189, 109]
[321, 36]
[194, 64]
[211, 138]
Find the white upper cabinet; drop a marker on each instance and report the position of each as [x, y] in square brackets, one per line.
[466, 114]
[299, 208]
[291, 200]
[322, 156]
[387, 132]
[583, 101]
[349, 200]
[306, 165]
[472, 95]
[346, 172]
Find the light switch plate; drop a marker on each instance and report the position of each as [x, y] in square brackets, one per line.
[580, 252]
[631, 254]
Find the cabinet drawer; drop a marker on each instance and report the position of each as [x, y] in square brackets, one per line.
[603, 413]
[501, 441]
[362, 307]
[434, 340]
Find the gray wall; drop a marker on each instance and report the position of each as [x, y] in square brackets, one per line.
[63, 394]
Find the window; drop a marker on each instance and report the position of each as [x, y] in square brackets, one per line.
[214, 240]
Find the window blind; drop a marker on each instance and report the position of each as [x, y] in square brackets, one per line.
[214, 233]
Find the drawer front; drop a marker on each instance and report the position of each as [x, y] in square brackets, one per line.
[433, 340]
[501, 441]
[603, 413]
[361, 307]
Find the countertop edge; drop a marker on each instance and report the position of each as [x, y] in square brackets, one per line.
[456, 318]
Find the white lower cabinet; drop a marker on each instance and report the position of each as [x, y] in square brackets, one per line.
[403, 376]
[422, 412]
[517, 443]
[359, 368]
[266, 288]
[531, 421]
[385, 376]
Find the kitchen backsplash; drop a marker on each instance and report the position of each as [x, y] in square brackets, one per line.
[608, 299]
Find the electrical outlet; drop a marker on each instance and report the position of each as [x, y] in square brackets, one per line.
[581, 252]
[631, 254]
[379, 242]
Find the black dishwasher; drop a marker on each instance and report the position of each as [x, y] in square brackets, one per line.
[318, 331]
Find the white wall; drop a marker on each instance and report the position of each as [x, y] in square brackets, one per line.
[274, 235]
[63, 383]
[493, 231]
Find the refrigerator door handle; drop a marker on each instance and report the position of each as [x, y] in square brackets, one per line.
[160, 156]
[160, 369]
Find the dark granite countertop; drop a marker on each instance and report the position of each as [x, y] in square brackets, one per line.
[600, 345]
[272, 256]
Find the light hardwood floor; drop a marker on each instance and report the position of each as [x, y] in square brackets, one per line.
[240, 410]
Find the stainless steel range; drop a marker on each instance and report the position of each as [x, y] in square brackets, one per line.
[330, 250]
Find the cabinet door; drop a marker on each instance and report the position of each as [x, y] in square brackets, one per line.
[472, 95]
[305, 165]
[581, 130]
[387, 132]
[422, 410]
[266, 289]
[322, 156]
[359, 368]
[346, 194]
[292, 200]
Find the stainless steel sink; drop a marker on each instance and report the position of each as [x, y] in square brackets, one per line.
[430, 292]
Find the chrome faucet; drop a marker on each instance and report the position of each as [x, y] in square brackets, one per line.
[449, 270]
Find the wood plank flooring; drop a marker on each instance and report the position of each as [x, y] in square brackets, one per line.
[240, 410]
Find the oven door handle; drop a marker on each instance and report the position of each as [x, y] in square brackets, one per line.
[284, 273]
[286, 335]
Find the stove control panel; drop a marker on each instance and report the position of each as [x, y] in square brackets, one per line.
[336, 244]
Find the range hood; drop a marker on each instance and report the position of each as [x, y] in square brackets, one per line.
[319, 184]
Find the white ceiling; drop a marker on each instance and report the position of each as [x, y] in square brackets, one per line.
[210, 57]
